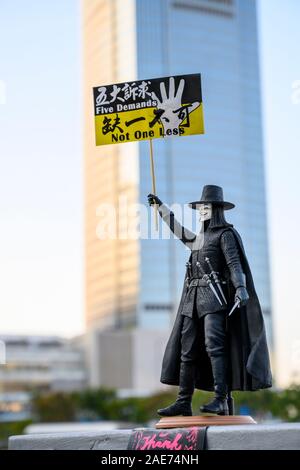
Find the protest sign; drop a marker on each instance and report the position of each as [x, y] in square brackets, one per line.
[148, 109]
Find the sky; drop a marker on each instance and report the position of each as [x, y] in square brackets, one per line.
[41, 191]
[41, 204]
[280, 70]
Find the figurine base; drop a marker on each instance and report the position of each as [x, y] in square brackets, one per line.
[202, 420]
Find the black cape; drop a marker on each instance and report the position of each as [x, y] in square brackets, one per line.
[249, 365]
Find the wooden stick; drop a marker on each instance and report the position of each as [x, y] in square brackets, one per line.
[153, 182]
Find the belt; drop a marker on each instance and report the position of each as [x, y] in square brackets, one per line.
[194, 282]
[197, 282]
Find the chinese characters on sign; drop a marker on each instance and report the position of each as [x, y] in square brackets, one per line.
[148, 109]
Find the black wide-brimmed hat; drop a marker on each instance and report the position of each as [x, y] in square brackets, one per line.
[214, 195]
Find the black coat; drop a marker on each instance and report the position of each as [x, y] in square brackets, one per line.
[248, 351]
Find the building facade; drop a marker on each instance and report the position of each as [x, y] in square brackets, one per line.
[136, 282]
[38, 363]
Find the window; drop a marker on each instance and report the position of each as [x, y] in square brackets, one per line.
[211, 7]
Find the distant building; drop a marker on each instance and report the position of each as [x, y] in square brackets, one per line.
[133, 286]
[38, 363]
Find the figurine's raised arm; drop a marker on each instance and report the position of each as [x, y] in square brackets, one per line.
[184, 234]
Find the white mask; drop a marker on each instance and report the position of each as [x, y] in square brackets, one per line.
[205, 211]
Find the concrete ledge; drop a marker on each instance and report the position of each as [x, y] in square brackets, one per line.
[247, 437]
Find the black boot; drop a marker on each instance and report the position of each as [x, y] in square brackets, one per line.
[183, 404]
[219, 404]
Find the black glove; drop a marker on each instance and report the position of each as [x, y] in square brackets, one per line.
[152, 199]
[242, 294]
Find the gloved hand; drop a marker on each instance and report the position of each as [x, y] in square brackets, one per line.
[152, 199]
[242, 294]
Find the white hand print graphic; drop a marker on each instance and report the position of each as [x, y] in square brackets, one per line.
[170, 109]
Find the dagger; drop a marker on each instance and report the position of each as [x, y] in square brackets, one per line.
[188, 267]
[216, 279]
[237, 304]
[208, 280]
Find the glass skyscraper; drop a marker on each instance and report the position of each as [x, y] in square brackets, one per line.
[136, 283]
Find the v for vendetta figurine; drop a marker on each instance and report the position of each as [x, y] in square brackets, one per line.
[218, 340]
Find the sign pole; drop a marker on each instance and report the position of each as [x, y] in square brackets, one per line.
[153, 182]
